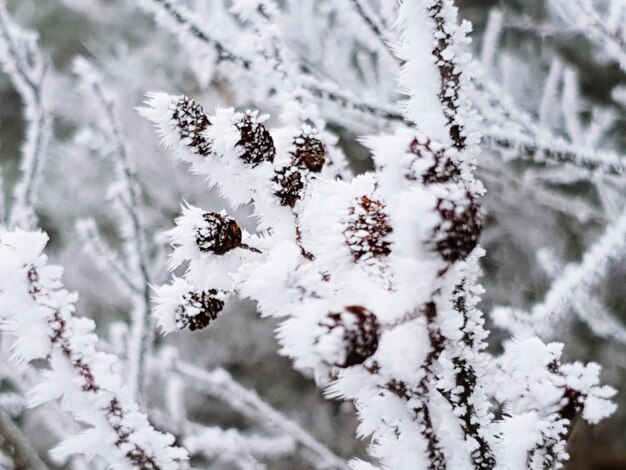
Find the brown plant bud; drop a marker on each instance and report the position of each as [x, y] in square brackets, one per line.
[457, 234]
[191, 122]
[367, 229]
[199, 309]
[310, 153]
[256, 141]
[443, 168]
[288, 184]
[308, 156]
[350, 337]
[218, 233]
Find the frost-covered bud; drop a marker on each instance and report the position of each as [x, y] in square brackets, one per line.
[367, 228]
[461, 225]
[191, 122]
[289, 183]
[348, 338]
[432, 164]
[310, 153]
[199, 309]
[217, 233]
[256, 141]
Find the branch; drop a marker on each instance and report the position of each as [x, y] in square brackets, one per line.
[219, 384]
[543, 317]
[38, 311]
[24, 62]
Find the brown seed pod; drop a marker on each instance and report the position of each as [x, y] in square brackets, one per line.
[256, 141]
[458, 233]
[199, 309]
[191, 122]
[218, 233]
[359, 331]
[367, 229]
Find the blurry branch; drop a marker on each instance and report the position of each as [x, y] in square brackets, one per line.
[585, 304]
[3, 206]
[233, 446]
[133, 272]
[24, 63]
[11, 403]
[219, 384]
[509, 128]
[578, 278]
[176, 18]
[375, 24]
[105, 257]
[14, 443]
[583, 15]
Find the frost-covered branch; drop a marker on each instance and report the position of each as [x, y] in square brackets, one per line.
[575, 277]
[24, 63]
[39, 313]
[220, 384]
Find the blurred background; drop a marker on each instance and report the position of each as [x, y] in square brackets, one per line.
[541, 216]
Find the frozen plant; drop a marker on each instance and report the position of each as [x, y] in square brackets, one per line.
[376, 277]
[372, 276]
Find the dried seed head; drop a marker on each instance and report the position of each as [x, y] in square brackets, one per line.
[443, 168]
[367, 227]
[348, 338]
[256, 141]
[191, 122]
[288, 185]
[457, 234]
[310, 153]
[199, 309]
[218, 233]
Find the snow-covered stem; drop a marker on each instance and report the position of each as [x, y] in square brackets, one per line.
[220, 384]
[39, 313]
[510, 128]
[126, 190]
[575, 277]
[177, 19]
[24, 63]
[15, 444]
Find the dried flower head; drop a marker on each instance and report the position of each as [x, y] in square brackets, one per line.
[191, 122]
[349, 337]
[199, 309]
[367, 227]
[218, 233]
[256, 141]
